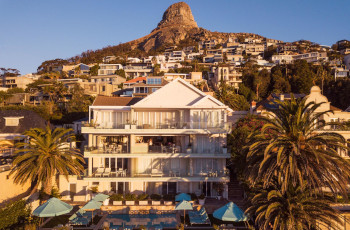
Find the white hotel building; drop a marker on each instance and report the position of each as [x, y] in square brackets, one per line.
[171, 141]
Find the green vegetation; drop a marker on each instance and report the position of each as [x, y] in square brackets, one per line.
[284, 166]
[14, 214]
[46, 155]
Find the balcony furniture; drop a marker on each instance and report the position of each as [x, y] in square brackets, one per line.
[163, 149]
[99, 172]
[203, 174]
[156, 173]
[147, 126]
[119, 148]
[107, 172]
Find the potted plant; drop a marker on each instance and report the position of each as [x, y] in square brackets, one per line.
[130, 199]
[143, 199]
[201, 199]
[133, 124]
[219, 188]
[156, 199]
[127, 125]
[189, 148]
[94, 191]
[117, 199]
[168, 199]
[224, 149]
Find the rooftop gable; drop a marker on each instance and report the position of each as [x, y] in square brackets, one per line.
[178, 94]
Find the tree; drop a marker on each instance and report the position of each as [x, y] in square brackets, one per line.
[121, 73]
[227, 95]
[290, 148]
[45, 155]
[295, 209]
[94, 70]
[79, 101]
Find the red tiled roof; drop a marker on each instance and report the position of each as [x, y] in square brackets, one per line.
[115, 101]
[135, 80]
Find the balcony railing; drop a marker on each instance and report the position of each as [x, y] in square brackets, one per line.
[108, 172]
[165, 125]
[153, 150]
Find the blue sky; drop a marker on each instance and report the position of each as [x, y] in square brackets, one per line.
[37, 30]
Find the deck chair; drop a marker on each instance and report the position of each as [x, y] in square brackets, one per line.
[99, 172]
[107, 172]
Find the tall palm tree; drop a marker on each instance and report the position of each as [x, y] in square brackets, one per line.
[45, 155]
[290, 148]
[293, 210]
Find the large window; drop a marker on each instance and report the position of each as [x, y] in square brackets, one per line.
[154, 81]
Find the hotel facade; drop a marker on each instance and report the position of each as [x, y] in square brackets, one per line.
[174, 140]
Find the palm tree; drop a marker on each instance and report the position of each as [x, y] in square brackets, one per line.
[291, 148]
[46, 154]
[295, 209]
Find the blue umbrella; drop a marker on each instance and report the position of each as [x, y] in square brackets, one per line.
[184, 205]
[230, 212]
[182, 196]
[52, 207]
[92, 205]
[100, 197]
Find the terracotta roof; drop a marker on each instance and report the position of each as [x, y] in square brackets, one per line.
[115, 101]
[135, 80]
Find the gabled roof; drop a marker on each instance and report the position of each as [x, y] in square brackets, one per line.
[115, 101]
[179, 94]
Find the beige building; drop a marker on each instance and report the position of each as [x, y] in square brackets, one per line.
[172, 141]
[16, 82]
[229, 74]
[192, 77]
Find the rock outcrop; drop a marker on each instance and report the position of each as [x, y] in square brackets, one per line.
[178, 14]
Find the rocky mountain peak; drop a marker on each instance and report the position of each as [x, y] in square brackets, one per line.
[178, 14]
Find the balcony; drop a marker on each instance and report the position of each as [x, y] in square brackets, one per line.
[106, 174]
[155, 152]
[166, 127]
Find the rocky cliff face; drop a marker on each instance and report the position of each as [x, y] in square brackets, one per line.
[178, 14]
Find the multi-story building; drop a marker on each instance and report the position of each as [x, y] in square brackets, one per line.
[229, 74]
[151, 85]
[176, 56]
[171, 141]
[15, 82]
[109, 69]
[192, 77]
[133, 70]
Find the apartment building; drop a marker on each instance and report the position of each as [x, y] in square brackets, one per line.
[176, 56]
[15, 82]
[227, 73]
[151, 85]
[109, 69]
[134, 70]
[312, 57]
[171, 141]
[192, 77]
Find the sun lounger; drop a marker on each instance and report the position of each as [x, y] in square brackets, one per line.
[199, 217]
[99, 172]
[107, 172]
[80, 219]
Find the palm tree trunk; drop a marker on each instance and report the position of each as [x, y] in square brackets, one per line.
[48, 186]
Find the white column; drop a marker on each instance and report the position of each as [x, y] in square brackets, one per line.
[90, 166]
[90, 140]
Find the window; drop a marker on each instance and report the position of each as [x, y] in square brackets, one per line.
[12, 121]
[154, 81]
[154, 90]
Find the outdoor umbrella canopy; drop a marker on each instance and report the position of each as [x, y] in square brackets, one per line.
[92, 205]
[52, 207]
[184, 205]
[183, 196]
[230, 212]
[101, 197]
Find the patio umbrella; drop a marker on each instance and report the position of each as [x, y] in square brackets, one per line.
[52, 207]
[101, 197]
[92, 205]
[230, 212]
[182, 196]
[184, 205]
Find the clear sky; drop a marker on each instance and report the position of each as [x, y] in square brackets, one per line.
[33, 31]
